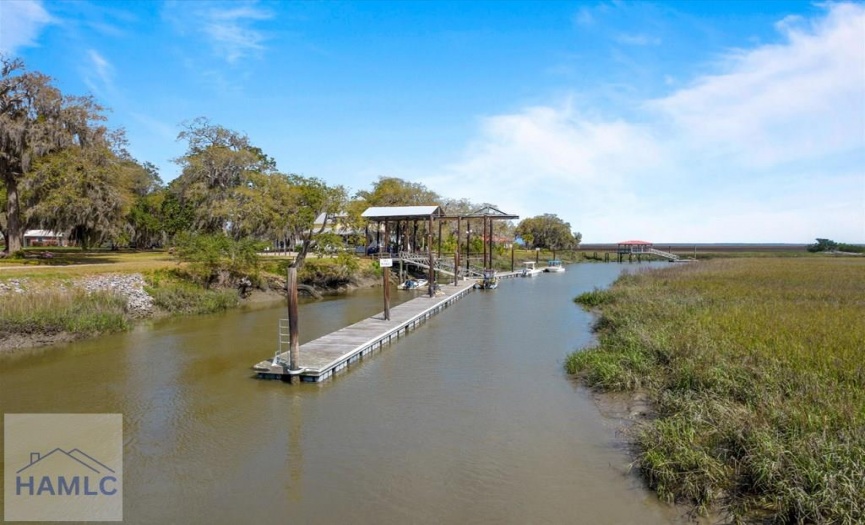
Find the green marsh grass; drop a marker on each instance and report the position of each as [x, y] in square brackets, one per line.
[756, 368]
[58, 310]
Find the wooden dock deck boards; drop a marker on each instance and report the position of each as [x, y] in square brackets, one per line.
[322, 357]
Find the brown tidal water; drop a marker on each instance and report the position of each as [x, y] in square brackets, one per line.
[469, 419]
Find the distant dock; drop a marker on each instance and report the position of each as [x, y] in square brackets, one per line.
[321, 358]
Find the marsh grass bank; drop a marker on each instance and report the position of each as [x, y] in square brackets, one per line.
[45, 305]
[63, 310]
[756, 372]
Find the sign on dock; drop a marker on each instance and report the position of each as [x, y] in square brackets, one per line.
[385, 263]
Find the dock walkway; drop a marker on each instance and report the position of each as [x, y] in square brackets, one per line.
[323, 357]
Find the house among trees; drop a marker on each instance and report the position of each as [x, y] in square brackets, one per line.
[336, 225]
[44, 238]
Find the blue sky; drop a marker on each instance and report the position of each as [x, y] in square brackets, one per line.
[697, 121]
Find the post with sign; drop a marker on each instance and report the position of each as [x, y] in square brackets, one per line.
[432, 260]
[385, 263]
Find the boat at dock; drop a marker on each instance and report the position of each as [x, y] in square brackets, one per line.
[489, 281]
[554, 266]
[412, 284]
[530, 270]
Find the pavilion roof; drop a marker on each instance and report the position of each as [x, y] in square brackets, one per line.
[635, 243]
[380, 213]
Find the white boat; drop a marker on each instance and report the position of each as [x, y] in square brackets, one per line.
[489, 282]
[412, 284]
[554, 266]
[529, 269]
[486, 284]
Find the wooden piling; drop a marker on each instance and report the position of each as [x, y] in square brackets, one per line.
[293, 331]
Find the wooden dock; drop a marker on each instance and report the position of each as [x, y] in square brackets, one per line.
[327, 355]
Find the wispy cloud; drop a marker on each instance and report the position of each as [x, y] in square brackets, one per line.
[584, 17]
[231, 32]
[637, 39]
[770, 147]
[588, 15]
[229, 28]
[99, 75]
[780, 103]
[154, 126]
[21, 22]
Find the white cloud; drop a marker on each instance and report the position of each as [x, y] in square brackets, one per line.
[584, 17]
[99, 75]
[101, 66]
[229, 27]
[769, 148]
[20, 24]
[230, 33]
[166, 132]
[786, 102]
[588, 15]
[638, 39]
[550, 152]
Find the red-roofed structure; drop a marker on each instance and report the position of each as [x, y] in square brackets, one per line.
[628, 247]
[640, 248]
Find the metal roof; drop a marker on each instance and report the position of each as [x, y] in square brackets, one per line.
[490, 210]
[487, 212]
[400, 212]
[638, 243]
[42, 233]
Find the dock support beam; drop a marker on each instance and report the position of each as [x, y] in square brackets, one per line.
[386, 275]
[457, 267]
[468, 244]
[484, 241]
[457, 252]
[432, 259]
[293, 332]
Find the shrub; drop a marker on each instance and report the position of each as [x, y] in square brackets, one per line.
[210, 256]
[179, 297]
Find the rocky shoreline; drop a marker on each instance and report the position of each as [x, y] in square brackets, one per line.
[138, 305]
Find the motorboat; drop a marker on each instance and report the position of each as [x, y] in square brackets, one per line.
[554, 266]
[486, 284]
[529, 269]
[412, 284]
[489, 281]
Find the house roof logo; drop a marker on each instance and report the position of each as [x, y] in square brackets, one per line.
[62, 467]
[60, 456]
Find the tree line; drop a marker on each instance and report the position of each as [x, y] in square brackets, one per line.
[828, 245]
[63, 169]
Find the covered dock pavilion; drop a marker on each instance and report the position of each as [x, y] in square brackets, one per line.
[406, 220]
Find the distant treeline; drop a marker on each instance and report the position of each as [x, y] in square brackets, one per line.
[708, 247]
[828, 245]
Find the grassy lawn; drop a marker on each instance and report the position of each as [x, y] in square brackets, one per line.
[756, 368]
[72, 263]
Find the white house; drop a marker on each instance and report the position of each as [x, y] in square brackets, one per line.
[44, 238]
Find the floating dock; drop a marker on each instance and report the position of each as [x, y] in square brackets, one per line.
[327, 355]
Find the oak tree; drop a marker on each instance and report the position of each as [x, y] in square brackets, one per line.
[37, 120]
